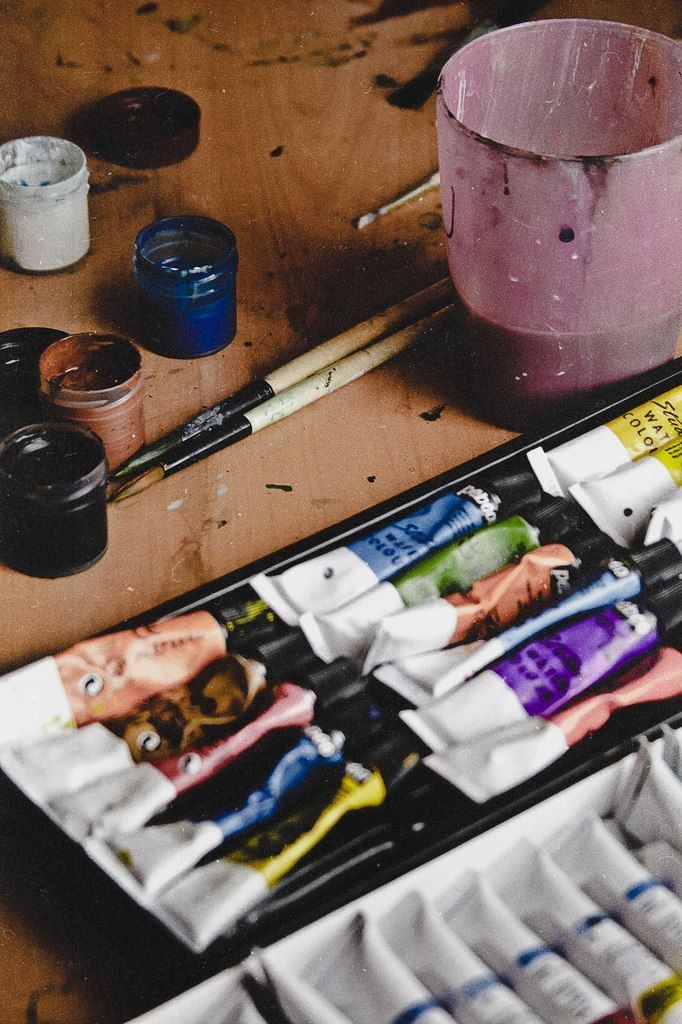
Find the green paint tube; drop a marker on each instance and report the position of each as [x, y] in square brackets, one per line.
[350, 630]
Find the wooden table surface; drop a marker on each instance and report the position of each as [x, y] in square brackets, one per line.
[297, 138]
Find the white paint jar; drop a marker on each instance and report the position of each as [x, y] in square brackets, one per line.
[43, 203]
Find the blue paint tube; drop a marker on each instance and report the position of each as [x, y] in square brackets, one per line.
[158, 854]
[617, 583]
[328, 581]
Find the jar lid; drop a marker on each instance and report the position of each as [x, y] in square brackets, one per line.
[147, 126]
[51, 464]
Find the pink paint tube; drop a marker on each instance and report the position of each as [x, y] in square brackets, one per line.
[497, 761]
[127, 800]
[107, 676]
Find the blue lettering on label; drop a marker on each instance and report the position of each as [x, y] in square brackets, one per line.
[440, 522]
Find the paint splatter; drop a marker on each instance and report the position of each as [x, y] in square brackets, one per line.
[135, 61]
[222, 489]
[371, 479]
[279, 487]
[432, 221]
[114, 182]
[107, 68]
[277, 151]
[175, 504]
[248, 344]
[183, 25]
[385, 81]
[61, 63]
[566, 234]
[221, 523]
[147, 8]
[433, 414]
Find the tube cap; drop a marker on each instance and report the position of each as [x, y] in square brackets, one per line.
[328, 680]
[556, 518]
[657, 563]
[516, 490]
[666, 603]
[361, 720]
[591, 546]
[147, 126]
[247, 623]
[282, 654]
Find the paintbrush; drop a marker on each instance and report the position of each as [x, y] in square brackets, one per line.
[251, 395]
[433, 181]
[330, 379]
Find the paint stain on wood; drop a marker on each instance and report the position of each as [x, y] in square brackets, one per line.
[277, 151]
[147, 8]
[385, 81]
[183, 25]
[432, 221]
[433, 414]
[279, 487]
[371, 479]
[60, 62]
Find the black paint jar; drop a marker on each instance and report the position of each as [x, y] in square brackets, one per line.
[53, 480]
[20, 349]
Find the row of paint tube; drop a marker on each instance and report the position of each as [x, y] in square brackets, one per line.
[586, 928]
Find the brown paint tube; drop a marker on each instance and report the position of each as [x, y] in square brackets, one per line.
[492, 604]
[195, 714]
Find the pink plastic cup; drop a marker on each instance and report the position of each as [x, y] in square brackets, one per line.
[560, 146]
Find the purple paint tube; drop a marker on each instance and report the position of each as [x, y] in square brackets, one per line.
[542, 677]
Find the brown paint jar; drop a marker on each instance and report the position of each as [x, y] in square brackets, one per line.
[97, 380]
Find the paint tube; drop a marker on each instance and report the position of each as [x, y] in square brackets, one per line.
[664, 862]
[541, 678]
[127, 800]
[461, 663]
[451, 972]
[107, 676]
[549, 985]
[491, 605]
[299, 1001]
[67, 761]
[349, 630]
[186, 717]
[497, 761]
[159, 854]
[364, 979]
[621, 503]
[649, 804]
[414, 678]
[666, 521]
[637, 432]
[540, 893]
[333, 579]
[613, 877]
[210, 900]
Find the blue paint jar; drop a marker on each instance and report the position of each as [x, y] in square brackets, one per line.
[186, 270]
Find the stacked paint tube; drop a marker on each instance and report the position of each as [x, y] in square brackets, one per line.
[216, 750]
[432, 601]
[585, 928]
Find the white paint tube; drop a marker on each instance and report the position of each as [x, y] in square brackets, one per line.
[483, 766]
[637, 432]
[664, 862]
[539, 892]
[366, 980]
[623, 887]
[299, 1001]
[458, 978]
[416, 678]
[328, 581]
[666, 521]
[649, 804]
[71, 759]
[549, 985]
[122, 802]
[621, 503]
